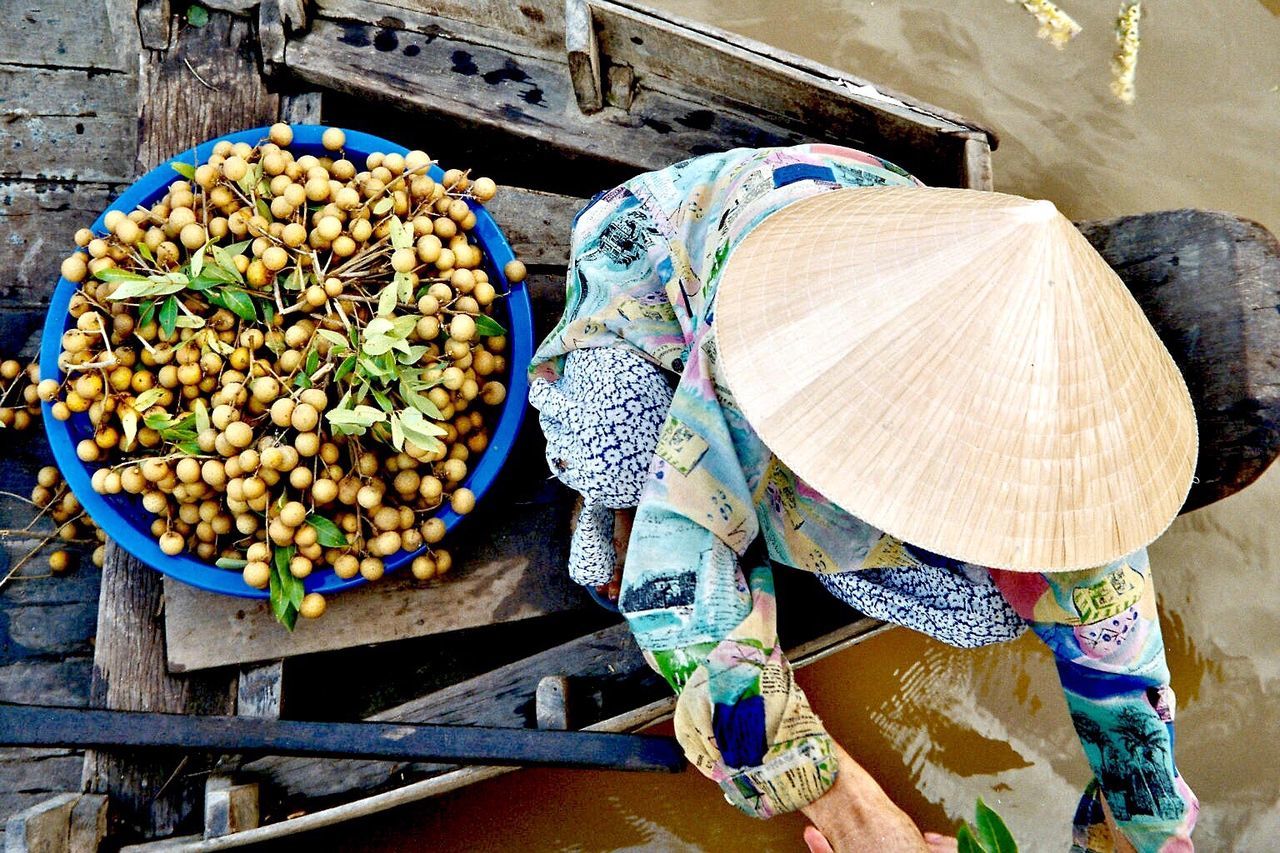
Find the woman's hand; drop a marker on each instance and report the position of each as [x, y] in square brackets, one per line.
[622, 521]
[856, 814]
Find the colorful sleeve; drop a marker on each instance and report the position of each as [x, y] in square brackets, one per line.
[710, 629]
[1102, 627]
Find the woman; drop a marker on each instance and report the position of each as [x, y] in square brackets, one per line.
[850, 349]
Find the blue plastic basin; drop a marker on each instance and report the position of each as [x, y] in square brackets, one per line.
[123, 517]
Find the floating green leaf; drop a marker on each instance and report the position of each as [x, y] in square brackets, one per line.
[992, 832]
[230, 563]
[186, 170]
[487, 326]
[990, 836]
[966, 843]
[169, 315]
[384, 204]
[197, 16]
[328, 534]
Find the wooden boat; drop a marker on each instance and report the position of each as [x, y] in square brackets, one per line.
[558, 100]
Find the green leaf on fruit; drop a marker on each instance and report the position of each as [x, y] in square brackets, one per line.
[169, 315]
[286, 590]
[488, 327]
[186, 170]
[328, 534]
[230, 563]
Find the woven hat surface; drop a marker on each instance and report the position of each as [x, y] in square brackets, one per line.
[960, 369]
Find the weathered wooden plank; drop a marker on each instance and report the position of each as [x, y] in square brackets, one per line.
[1210, 284]
[977, 164]
[206, 630]
[39, 219]
[536, 25]
[527, 96]
[500, 698]
[277, 20]
[536, 224]
[67, 124]
[65, 681]
[130, 674]
[43, 828]
[64, 823]
[258, 690]
[62, 34]
[229, 807]
[584, 56]
[153, 23]
[461, 744]
[728, 72]
[207, 85]
[301, 108]
[847, 81]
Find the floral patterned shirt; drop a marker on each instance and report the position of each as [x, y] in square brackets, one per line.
[714, 506]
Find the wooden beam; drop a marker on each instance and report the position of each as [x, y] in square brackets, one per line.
[259, 690]
[208, 84]
[229, 807]
[67, 125]
[301, 108]
[277, 21]
[584, 55]
[552, 702]
[129, 674]
[29, 725]
[153, 23]
[977, 164]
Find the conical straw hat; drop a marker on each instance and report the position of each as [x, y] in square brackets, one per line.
[961, 370]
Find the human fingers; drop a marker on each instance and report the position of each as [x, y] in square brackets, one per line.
[816, 841]
[940, 843]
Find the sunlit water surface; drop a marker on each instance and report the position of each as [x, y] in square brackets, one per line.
[940, 727]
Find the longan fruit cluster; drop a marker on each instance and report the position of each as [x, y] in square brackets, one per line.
[19, 403]
[53, 498]
[221, 424]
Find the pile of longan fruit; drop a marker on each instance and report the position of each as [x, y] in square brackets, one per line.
[19, 405]
[208, 425]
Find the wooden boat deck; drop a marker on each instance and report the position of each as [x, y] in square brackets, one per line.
[586, 94]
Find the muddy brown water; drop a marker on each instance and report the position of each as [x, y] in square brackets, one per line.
[937, 726]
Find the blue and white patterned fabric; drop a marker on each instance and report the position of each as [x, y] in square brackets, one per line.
[601, 421]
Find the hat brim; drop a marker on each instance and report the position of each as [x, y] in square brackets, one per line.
[960, 369]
